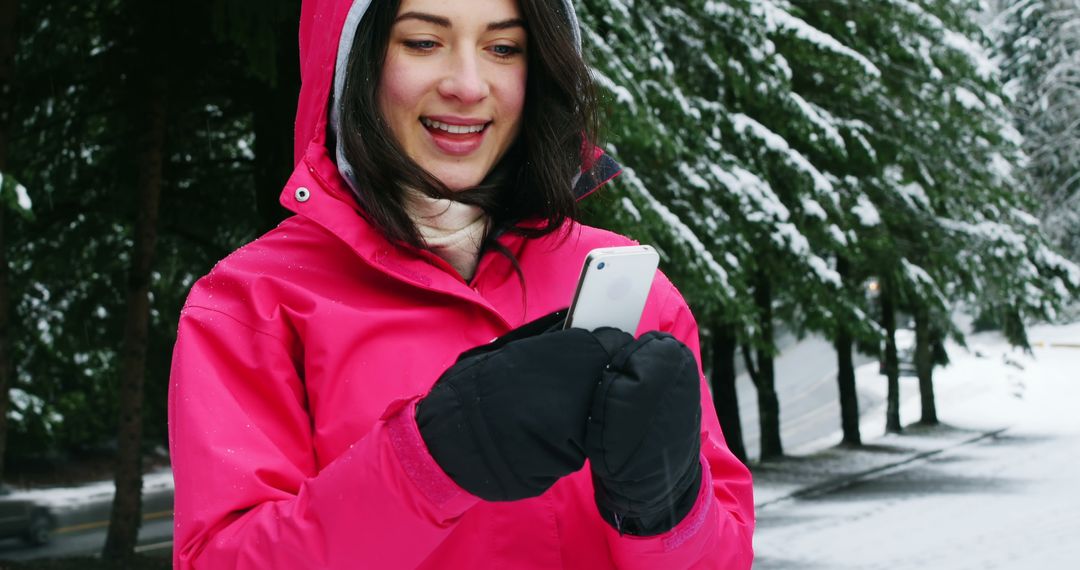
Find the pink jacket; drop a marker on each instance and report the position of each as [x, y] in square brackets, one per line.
[298, 364]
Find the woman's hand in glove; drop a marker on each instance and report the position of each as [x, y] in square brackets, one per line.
[508, 419]
[644, 436]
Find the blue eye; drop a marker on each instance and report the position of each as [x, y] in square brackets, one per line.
[505, 51]
[422, 45]
[601, 265]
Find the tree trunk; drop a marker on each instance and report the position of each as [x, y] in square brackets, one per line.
[6, 367]
[845, 374]
[892, 364]
[845, 379]
[273, 123]
[8, 11]
[924, 365]
[127, 504]
[768, 403]
[725, 398]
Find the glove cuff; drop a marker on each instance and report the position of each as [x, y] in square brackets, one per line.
[664, 515]
[459, 441]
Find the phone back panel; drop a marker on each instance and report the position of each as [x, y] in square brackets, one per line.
[614, 285]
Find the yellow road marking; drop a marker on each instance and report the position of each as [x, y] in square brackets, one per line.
[154, 546]
[102, 524]
[1042, 344]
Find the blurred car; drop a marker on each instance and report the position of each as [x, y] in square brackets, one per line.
[25, 518]
[905, 353]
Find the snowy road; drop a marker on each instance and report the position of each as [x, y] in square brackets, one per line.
[82, 514]
[808, 394]
[1012, 501]
[1008, 502]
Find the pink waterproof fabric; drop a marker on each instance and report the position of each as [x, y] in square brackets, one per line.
[300, 358]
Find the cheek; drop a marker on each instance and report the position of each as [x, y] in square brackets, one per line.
[514, 94]
[397, 92]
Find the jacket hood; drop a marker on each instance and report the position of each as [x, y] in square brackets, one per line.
[327, 30]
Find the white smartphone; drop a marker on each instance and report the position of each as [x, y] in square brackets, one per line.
[613, 287]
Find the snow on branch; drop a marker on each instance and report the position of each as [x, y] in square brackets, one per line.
[714, 273]
[822, 119]
[866, 212]
[1025, 218]
[756, 198]
[1049, 258]
[778, 19]
[922, 281]
[622, 94]
[776, 143]
[607, 54]
[22, 197]
[760, 205]
[990, 232]
[913, 194]
[975, 54]
[967, 99]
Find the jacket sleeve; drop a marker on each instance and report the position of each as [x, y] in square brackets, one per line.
[718, 531]
[249, 493]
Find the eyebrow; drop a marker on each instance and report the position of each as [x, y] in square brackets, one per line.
[506, 24]
[443, 22]
[429, 18]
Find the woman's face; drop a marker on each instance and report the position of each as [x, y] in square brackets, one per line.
[453, 85]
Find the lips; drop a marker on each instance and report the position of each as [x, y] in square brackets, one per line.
[454, 128]
[455, 136]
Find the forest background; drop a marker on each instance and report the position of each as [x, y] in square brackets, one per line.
[830, 166]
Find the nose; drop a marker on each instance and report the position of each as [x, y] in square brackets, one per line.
[464, 78]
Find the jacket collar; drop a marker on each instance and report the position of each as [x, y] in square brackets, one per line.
[317, 192]
[597, 172]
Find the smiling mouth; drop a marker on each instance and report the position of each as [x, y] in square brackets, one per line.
[444, 128]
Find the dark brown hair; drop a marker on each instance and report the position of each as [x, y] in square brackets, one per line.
[533, 179]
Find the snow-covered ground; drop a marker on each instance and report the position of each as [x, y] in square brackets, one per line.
[1011, 500]
[961, 499]
[64, 499]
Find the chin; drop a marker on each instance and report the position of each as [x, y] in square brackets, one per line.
[457, 180]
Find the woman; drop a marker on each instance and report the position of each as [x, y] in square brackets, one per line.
[337, 400]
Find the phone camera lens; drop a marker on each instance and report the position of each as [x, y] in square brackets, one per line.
[601, 265]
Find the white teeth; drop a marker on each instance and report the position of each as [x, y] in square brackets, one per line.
[454, 129]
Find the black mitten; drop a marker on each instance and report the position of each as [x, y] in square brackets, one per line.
[508, 419]
[644, 436]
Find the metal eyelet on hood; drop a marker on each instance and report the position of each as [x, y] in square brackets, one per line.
[302, 194]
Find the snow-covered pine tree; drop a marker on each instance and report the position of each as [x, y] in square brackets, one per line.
[770, 144]
[653, 128]
[951, 214]
[834, 91]
[799, 150]
[700, 96]
[73, 147]
[1006, 262]
[908, 133]
[663, 132]
[1037, 43]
